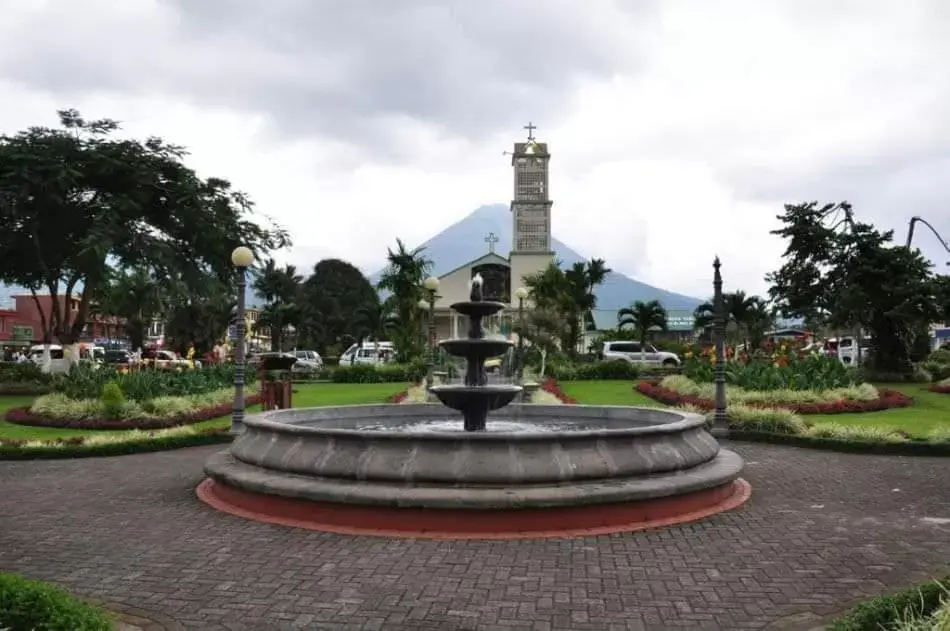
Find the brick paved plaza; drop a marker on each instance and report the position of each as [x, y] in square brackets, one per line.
[821, 531]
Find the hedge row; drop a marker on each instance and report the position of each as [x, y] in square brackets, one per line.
[77, 447]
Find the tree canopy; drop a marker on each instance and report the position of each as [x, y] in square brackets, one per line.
[78, 202]
[857, 277]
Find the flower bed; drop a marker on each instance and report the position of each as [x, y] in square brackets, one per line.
[87, 414]
[552, 387]
[837, 401]
[943, 387]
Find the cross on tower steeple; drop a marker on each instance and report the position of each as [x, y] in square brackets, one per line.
[491, 240]
[530, 127]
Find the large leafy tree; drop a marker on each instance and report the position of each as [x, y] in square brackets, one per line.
[338, 304]
[280, 288]
[644, 317]
[403, 277]
[78, 201]
[857, 277]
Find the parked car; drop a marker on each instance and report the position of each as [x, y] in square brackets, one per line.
[164, 360]
[117, 358]
[633, 353]
[307, 362]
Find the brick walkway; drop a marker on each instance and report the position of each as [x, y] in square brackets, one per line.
[820, 531]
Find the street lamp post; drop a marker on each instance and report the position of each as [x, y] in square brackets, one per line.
[720, 419]
[521, 293]
[243, 258]
[431, 285]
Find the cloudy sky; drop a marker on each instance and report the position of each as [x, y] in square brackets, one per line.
[678, 128]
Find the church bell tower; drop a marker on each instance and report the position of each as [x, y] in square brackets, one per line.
[530, 209]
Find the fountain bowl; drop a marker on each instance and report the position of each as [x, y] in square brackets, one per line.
[537, 470]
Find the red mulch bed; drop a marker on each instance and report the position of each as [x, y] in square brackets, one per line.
[938, 388]
[551, 386]
[23, 416]
[887, 400]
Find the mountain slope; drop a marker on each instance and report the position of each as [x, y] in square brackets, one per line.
[464, 241]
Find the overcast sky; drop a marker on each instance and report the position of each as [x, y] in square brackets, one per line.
[678, 128]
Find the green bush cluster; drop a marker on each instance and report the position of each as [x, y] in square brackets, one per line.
[811, 372]
[898, 611]
[28, 605]
[87, 382]
[383, 373]
[23, 378]
[937, 365]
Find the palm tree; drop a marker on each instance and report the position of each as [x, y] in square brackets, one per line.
[279, 287]
[403, 277]
[569, 292]
[644, 317]
[136, 297]
[745, 315]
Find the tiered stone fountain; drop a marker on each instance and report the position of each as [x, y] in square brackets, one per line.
[419, 470]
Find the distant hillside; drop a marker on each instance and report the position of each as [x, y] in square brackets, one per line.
[464, 241]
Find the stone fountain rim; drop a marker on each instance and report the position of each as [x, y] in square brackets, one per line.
[266, 421]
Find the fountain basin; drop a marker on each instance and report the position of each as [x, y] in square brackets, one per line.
[480, 349]
[485, 398]
[382, 455]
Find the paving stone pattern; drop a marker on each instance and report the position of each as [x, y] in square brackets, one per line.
[821, 531]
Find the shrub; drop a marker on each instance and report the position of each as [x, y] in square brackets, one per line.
[858, 433]
[385, 373]
[786, 372]
[613, 369]
[22, 372]
[771, 420]
[888, 612]
[86, 382]
[27, 605]
[112, 400]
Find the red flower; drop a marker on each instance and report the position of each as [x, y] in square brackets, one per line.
[551, 386]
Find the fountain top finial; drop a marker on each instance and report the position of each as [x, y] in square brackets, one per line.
[475, 294]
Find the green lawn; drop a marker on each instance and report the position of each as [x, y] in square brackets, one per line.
[307, 395]
[930, 410]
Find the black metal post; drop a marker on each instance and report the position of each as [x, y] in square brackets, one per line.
[237, 414]
[521, 341]
[720, 418]
[430, 365]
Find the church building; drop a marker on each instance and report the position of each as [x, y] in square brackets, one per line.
[531, 246]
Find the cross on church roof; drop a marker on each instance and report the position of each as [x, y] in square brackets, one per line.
[530, 127]
[491, 240]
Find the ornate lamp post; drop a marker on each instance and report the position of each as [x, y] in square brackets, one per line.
[431, 285]
[242, 258]
[521, 293]
[720, 419]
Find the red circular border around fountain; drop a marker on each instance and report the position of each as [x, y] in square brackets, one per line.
[427, 523]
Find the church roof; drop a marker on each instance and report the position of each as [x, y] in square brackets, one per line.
[488, 257]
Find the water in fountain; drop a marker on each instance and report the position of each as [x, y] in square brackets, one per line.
[475, 397]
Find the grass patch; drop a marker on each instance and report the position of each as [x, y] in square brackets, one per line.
[928, 417]
[607, 393]
[929, 414]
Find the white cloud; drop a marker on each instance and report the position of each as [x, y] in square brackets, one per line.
[708, 119]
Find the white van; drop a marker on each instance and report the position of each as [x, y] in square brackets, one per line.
[368, 353]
